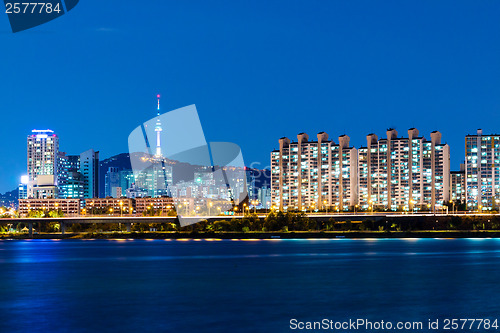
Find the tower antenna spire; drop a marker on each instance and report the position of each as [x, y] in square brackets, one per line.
[158, 130]
[158, 96]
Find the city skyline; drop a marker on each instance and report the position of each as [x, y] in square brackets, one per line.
[36, 132]
[437, 71]
[249, 166]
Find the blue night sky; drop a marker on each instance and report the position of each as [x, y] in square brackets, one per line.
[256, 70]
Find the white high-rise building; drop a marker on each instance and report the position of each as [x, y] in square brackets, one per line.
[392, 174]
[482, 171]
[43, 148]
[399, 173]
[307, 175]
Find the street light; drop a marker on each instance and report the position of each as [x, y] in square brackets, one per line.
[312, 206]
[255, 203]
[210, 204]
[355, 209]
[121, 208]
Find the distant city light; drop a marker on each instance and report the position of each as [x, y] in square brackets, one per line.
[42, 131]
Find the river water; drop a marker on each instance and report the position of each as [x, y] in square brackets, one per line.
[242, 285]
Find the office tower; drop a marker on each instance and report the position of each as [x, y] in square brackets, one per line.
[404, 173]
[126, 180]
[135, 192]
[307, 175]
[112, 182]
[250, 181]
[62, 169]
[155, 178]
[89, 168]
[116, 182]
[264, 196]
[73, 186]
[457, 185]
[69, 183]
[482, 171]
[43, 148]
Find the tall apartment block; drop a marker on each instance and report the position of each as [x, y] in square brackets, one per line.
[314, 174]
[89, 168]
[392, 173]
[43, 148]
[404, 173]
[482, 170]
[457, 185]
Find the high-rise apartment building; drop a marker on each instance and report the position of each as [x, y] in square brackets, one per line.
[482, 171]
[43, 148]
[314, 174]
[457, 185]
[392, 173]
[404, 173]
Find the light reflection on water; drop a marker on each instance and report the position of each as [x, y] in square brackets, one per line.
[246, 285]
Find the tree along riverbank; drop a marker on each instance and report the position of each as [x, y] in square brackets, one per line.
[262, 235]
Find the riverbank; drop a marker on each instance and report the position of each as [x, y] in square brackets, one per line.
[264, 235]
